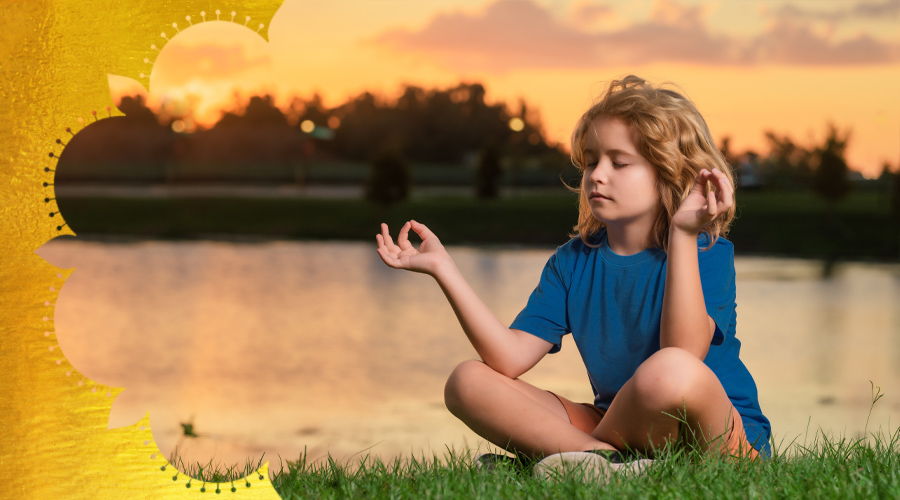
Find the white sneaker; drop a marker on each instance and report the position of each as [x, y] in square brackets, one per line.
[596, 465]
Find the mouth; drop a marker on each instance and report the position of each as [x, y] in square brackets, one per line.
[598, 196]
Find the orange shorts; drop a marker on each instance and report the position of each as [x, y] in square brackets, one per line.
[586, 416]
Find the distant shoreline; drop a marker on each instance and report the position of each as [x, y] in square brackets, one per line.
[318, 191]
[776, 224]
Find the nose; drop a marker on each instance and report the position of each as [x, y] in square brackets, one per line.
[600, 173]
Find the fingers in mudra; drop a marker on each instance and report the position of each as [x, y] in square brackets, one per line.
[404, 255]
[388, 251]
[403, 237]
[721, 198]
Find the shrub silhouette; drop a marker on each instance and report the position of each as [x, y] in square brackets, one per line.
[895, 196]
[487, 178]
[389, 177]
[830, 179]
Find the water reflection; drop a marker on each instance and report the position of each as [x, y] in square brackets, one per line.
[282, 346]
[828, 321]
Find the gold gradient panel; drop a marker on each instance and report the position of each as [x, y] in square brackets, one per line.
[54, 61]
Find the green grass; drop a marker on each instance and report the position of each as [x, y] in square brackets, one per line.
[826, 468]
[863, 467]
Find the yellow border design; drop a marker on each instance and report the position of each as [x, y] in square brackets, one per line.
[55, 56]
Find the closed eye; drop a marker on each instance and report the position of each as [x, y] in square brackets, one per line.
[616, 165]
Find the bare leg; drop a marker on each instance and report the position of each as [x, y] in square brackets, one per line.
[670, 381]
[513, 414]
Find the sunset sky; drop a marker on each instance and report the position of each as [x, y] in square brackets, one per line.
[749, 65]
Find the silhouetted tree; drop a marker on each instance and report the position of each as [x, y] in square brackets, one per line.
[315, 111]
[487, 178]
[131, 148]
[257, 144]
[366, 124]
[895, 199]
[261, 142]
[389, 177]
[725, 149]
[136, 109]
[788, 164]
[895, 195]
[830, 180]
[435, 126]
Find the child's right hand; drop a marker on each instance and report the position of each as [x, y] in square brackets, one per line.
[428, 259]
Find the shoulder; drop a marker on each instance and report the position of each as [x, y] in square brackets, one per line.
[719, 259]
[569, 256]
[721, 248]
[575, 247]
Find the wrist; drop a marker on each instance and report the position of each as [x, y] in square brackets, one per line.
[681, 233]
[445, 268]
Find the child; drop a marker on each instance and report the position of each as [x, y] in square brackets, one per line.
[647, 289]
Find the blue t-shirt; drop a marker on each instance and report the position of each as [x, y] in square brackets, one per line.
[612, 305]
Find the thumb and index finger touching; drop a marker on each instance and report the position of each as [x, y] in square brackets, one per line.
[403, 237]
[718, 199]
[420, 229]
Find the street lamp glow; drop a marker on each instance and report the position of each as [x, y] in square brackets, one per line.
[307, 126]
[516, 124]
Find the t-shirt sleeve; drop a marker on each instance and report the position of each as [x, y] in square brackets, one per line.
[717, 281]
[545, 313]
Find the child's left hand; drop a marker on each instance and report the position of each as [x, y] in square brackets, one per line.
[701, 208]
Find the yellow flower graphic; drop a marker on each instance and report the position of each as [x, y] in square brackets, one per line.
[55, 56]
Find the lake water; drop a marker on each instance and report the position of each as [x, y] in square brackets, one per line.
[278, 347]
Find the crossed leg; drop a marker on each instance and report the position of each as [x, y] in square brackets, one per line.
[524, 419]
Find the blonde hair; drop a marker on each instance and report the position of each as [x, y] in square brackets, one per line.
[672, 136]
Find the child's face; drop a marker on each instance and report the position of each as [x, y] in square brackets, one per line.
[620, 184]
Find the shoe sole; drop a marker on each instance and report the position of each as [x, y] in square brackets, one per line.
[590, 466]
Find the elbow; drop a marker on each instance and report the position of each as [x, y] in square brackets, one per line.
[698, 348]
[699, 352]
[504, 367]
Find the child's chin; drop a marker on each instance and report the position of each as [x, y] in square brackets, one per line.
[601, 218]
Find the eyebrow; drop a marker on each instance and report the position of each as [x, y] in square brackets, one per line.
[611, 151]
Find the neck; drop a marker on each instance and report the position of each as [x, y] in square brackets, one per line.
[629, 239]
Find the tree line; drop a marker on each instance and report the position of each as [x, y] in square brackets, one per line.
[454, 126]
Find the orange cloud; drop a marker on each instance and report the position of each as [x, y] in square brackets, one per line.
[587, 14]
[888, 10]
[510, 34]
[788, 42]
[209, 62]
[520, 34]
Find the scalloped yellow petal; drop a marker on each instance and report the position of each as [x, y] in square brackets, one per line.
[54, 60]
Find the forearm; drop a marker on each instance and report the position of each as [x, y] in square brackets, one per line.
[685, 322]
[496, 343]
